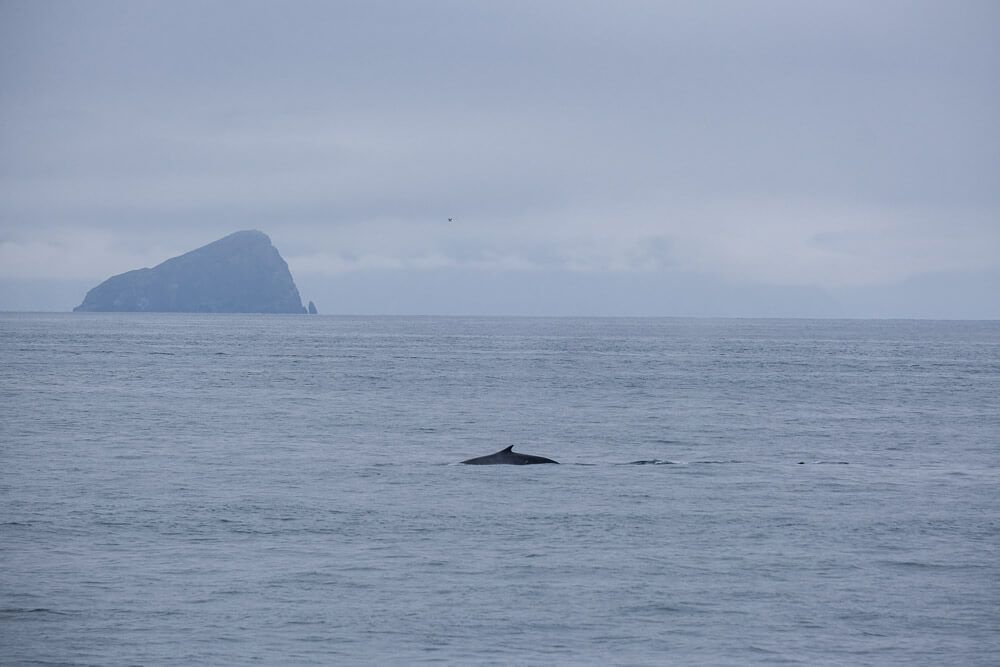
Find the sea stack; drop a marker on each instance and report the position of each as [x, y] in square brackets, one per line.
[241, 273]
[312, 308]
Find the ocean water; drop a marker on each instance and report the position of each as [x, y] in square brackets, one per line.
[193, 489]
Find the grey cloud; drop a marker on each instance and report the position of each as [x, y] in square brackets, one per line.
[776, 143]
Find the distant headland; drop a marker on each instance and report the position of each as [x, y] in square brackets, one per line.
[240, 273]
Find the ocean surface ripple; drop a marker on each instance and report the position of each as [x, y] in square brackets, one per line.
[233, 489]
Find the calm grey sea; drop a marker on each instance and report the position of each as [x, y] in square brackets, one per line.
[194, 489]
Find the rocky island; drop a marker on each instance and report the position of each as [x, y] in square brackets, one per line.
[240, 273]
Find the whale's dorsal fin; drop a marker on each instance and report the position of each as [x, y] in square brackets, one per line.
[508, 449]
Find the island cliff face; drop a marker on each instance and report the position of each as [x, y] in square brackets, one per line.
[241, 273]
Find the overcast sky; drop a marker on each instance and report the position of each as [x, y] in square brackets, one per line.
[786, 158]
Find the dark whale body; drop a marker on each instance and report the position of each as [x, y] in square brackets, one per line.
[508, 457]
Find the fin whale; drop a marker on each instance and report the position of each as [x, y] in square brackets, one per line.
[507, 456]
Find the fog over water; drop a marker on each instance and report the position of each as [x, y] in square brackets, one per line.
[767, 158]
[734, 265]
